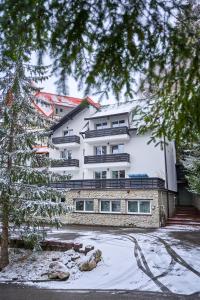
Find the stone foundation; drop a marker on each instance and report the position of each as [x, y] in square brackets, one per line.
[123, 218]
[196, 201]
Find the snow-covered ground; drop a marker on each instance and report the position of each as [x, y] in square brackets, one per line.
[151, 261]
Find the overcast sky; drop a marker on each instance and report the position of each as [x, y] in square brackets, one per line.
[49, 85]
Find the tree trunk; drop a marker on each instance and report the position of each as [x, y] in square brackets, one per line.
[4, 258]
[5, 197]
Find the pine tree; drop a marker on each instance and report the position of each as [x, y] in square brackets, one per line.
[191, 162]
[25, 190]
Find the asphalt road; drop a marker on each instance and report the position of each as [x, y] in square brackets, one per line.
[16, 292]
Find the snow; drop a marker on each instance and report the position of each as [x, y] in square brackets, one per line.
[151, 261]
[115, 109]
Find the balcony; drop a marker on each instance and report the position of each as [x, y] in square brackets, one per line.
[108, 158]
[71, 141]
[125, 183]
[111, 134]
[68, 163]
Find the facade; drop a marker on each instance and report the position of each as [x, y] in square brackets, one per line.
[116, 178]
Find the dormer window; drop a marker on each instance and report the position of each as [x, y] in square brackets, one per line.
[118, 123]
[68, 132]
[101, 125]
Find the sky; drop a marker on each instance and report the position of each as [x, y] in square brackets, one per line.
[49, 85]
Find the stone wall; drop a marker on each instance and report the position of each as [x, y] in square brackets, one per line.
[196, 201]
[114, 219]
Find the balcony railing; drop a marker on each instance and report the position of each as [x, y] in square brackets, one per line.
[125, 183]
[106, 132]
[66, 139]
[65, 163]
[96, 159]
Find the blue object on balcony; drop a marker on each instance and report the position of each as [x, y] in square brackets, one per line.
[138, 176]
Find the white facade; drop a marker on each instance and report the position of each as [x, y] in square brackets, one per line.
[144, 158]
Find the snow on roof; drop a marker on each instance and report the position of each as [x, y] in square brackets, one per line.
[115, 109]
[58, 99]
[47, 102]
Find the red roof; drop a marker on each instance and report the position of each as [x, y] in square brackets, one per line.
[65, 101]
[59, 99]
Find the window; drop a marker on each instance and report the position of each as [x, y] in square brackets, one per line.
[62, 199]
[68, 132]
[84, 205]
[100, 150]
[139, 206]
[117, 149]
[144, 207]
[61, 110]
[113, 206]
[118, 123]
[66, 154]
[100, 175]
[118, 174]
[101, 125]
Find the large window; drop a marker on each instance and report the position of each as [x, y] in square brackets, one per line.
[118, 123]
[100, 175]
[100, 150]
[139, 206]
[117, 149]
[66, 154]
[84, 205]
[112, 206]
[101, 125]
[118, 174]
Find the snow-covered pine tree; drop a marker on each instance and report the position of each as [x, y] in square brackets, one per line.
[25, 191]
[191, 162]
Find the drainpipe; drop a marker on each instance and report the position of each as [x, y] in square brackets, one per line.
[166, 176]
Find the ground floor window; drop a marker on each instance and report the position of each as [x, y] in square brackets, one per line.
[110, 206]
[84, 205]
[139, 206]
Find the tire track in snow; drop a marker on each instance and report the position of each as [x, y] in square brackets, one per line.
[142, 265]
[177, 258]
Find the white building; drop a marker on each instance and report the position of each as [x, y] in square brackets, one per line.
[113, 170]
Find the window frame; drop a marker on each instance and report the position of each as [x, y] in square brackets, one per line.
[110, 206]
[117, 145]
[67, 152]
[84, 205]
[70, 132]
[100, 172]
[102, 125]
[95, 150]
[118, 174]
[138, 207]
[118, 123]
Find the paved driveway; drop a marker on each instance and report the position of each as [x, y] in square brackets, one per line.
[13, 292]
